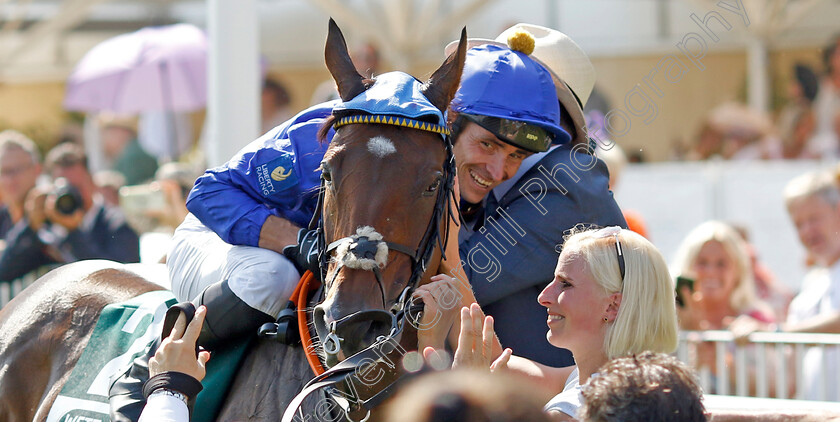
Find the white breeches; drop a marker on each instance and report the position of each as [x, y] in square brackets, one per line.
[198, 257]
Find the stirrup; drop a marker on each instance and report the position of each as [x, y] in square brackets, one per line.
[285, 329]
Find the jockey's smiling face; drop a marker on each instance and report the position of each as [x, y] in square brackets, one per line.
[483, 161]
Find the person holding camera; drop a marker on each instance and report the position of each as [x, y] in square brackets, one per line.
[67, 221]
[20, 166]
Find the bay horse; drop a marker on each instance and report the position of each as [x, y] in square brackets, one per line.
[403, 197]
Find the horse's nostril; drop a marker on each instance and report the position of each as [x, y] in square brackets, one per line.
[319, 315]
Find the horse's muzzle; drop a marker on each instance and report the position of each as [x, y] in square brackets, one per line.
[349, 334]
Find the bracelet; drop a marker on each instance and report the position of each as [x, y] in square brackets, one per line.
[172, 380]
[167, 392]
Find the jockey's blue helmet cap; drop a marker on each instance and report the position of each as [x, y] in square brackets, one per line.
[512, 96]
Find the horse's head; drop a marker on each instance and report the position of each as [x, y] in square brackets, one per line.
[386, 186]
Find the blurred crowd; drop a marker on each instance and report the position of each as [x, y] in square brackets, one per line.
[807, 126]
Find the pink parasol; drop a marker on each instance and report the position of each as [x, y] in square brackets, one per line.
[160, 68]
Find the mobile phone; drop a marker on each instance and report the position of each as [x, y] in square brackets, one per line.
[683, 281]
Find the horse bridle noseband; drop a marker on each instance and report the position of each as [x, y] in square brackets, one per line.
[436, 234]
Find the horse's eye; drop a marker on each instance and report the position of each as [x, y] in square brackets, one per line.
[432, 188]
[326, 175]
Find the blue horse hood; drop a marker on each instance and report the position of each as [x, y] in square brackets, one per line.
[394, 94]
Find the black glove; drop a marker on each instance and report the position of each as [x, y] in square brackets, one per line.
[305, 254]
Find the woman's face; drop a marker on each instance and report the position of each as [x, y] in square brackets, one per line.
[715, 272]
[576, 306]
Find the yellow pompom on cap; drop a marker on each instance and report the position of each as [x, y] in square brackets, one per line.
[522, 41]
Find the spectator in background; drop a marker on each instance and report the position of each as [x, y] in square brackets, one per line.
[767, 286]
[467, 396]
[716, 258]
[108, 184]
[71, 225]
[813, 202]
[736, 132]
[824, 143]
[275, 104]
[796, 120]
[121, 147]
[20, 166]
[644, 387]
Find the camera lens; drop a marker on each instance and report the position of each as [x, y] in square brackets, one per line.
[68, 199]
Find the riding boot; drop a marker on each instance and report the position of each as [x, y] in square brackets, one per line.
[228, 317]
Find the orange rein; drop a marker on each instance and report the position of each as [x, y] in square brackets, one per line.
[299, 297]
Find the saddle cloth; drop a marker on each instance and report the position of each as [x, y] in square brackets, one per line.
[123, 332]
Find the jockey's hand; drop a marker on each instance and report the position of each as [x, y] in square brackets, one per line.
[478, 345]
[305, 254]
[441, 302]
[177, 352]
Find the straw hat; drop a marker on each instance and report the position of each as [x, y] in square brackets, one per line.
[568, 64]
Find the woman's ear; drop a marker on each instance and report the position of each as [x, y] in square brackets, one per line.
[612, 308]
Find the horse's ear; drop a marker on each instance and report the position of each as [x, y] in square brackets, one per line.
[441, 87]
[348, 80]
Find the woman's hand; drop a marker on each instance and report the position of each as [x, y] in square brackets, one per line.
[690, 315]
[177, 352]
[744, 325]
[478, 345]
[441, 300]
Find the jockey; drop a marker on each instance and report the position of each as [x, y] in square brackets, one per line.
[228, 254]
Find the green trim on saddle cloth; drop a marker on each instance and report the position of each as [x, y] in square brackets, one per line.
[221, 370]
[125, 331]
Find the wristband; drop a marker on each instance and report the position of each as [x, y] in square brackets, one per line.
[167, 392]
[172, 380]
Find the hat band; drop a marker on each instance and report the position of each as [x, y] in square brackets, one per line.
[517, 133]
[391, 120]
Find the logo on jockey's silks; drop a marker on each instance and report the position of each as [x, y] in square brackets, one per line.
[277, 175]
[280, 173]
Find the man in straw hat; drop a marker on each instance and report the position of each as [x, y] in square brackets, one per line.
[511, 242]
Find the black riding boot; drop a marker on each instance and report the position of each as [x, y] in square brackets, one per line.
[228, 319]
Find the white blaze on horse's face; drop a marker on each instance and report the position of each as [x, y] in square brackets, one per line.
[350, 259]
[381, 146]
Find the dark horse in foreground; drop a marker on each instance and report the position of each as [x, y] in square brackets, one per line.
[44, 330]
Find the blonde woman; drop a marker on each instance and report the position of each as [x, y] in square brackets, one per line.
[611, 296]
[715, 256]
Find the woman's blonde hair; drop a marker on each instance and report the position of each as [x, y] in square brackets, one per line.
[743, 297]
[647, 316]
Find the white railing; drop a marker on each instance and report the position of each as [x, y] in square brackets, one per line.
[784, 354]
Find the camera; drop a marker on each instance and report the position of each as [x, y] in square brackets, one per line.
[68, 200]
